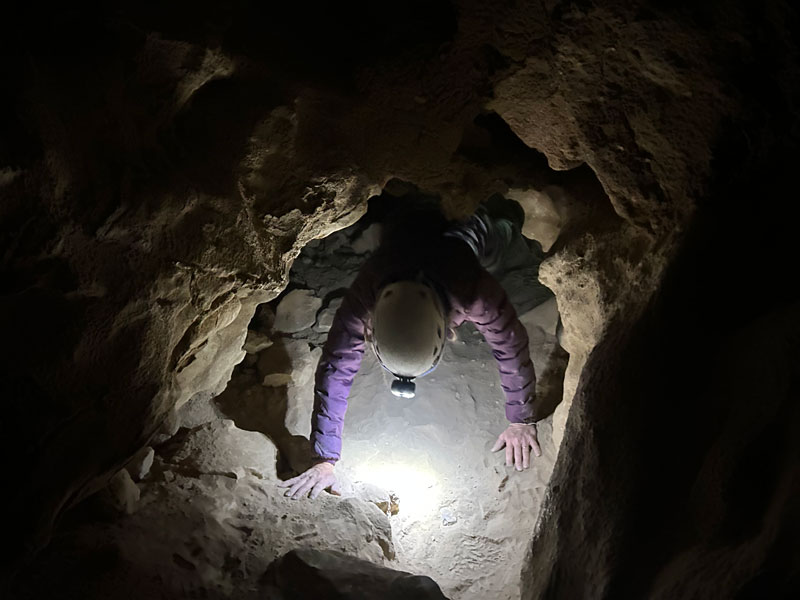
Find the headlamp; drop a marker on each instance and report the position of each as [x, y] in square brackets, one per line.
[404, 387]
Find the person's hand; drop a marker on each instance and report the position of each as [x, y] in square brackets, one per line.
[518, 440]
[317, 478]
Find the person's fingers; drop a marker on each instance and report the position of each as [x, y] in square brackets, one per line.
[336, 488]
[303, 490]
[289, 482]
[509, 454]
[317, 489]
[537, 449]
[299, 482]
[518, 456]
[526, 456]
[498, 444]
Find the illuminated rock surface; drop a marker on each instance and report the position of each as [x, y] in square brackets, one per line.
[297, 311]
[208, 520]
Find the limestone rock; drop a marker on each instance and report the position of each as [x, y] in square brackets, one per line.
[139, 466]
[219, 447]
[375, 494]
[542, 320]
[199, 410]
[300, 401]
[543, 219]
[169, 427]
[297, 311]
[314, 574]
[292, 358]
[277, 379]
[325, 320]
[291, 363]
[124, 494]
[220, 521]
[256, 342]
[368, 240]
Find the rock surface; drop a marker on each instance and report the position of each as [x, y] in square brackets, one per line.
[325, 320]
[296, 311]
[209, 521]
[452, 513]
[543, 218]
[256, 342]
[139, 466]
[123, 493]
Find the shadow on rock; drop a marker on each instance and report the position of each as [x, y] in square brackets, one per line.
[279, 404]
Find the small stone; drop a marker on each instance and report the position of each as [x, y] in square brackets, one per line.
[297, 311]
[123, 492]
[448, 518]
[141, 463]
[375, 494]
[277, 380]
[256, 342]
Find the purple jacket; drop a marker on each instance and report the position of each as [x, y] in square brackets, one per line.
[472, 294]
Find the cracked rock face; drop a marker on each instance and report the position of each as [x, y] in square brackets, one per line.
[208, 519]
[160, 169]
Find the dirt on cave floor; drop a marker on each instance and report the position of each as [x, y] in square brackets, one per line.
[464, 518]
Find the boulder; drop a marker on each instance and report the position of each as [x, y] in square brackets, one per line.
[296, 311]
[316, 574]
[219, 447]
[123, 493]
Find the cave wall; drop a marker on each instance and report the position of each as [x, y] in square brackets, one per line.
[678, 475]
[160, 170]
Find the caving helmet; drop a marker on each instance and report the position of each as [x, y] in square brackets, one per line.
[408, 332]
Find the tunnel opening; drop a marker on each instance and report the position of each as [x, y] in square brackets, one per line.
[421, 491]
[454, 507]
[199, 509]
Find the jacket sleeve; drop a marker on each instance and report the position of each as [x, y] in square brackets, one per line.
[338, 365]
[495, 317]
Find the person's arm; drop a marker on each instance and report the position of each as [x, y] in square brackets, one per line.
[495, 317]
[338, 365]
